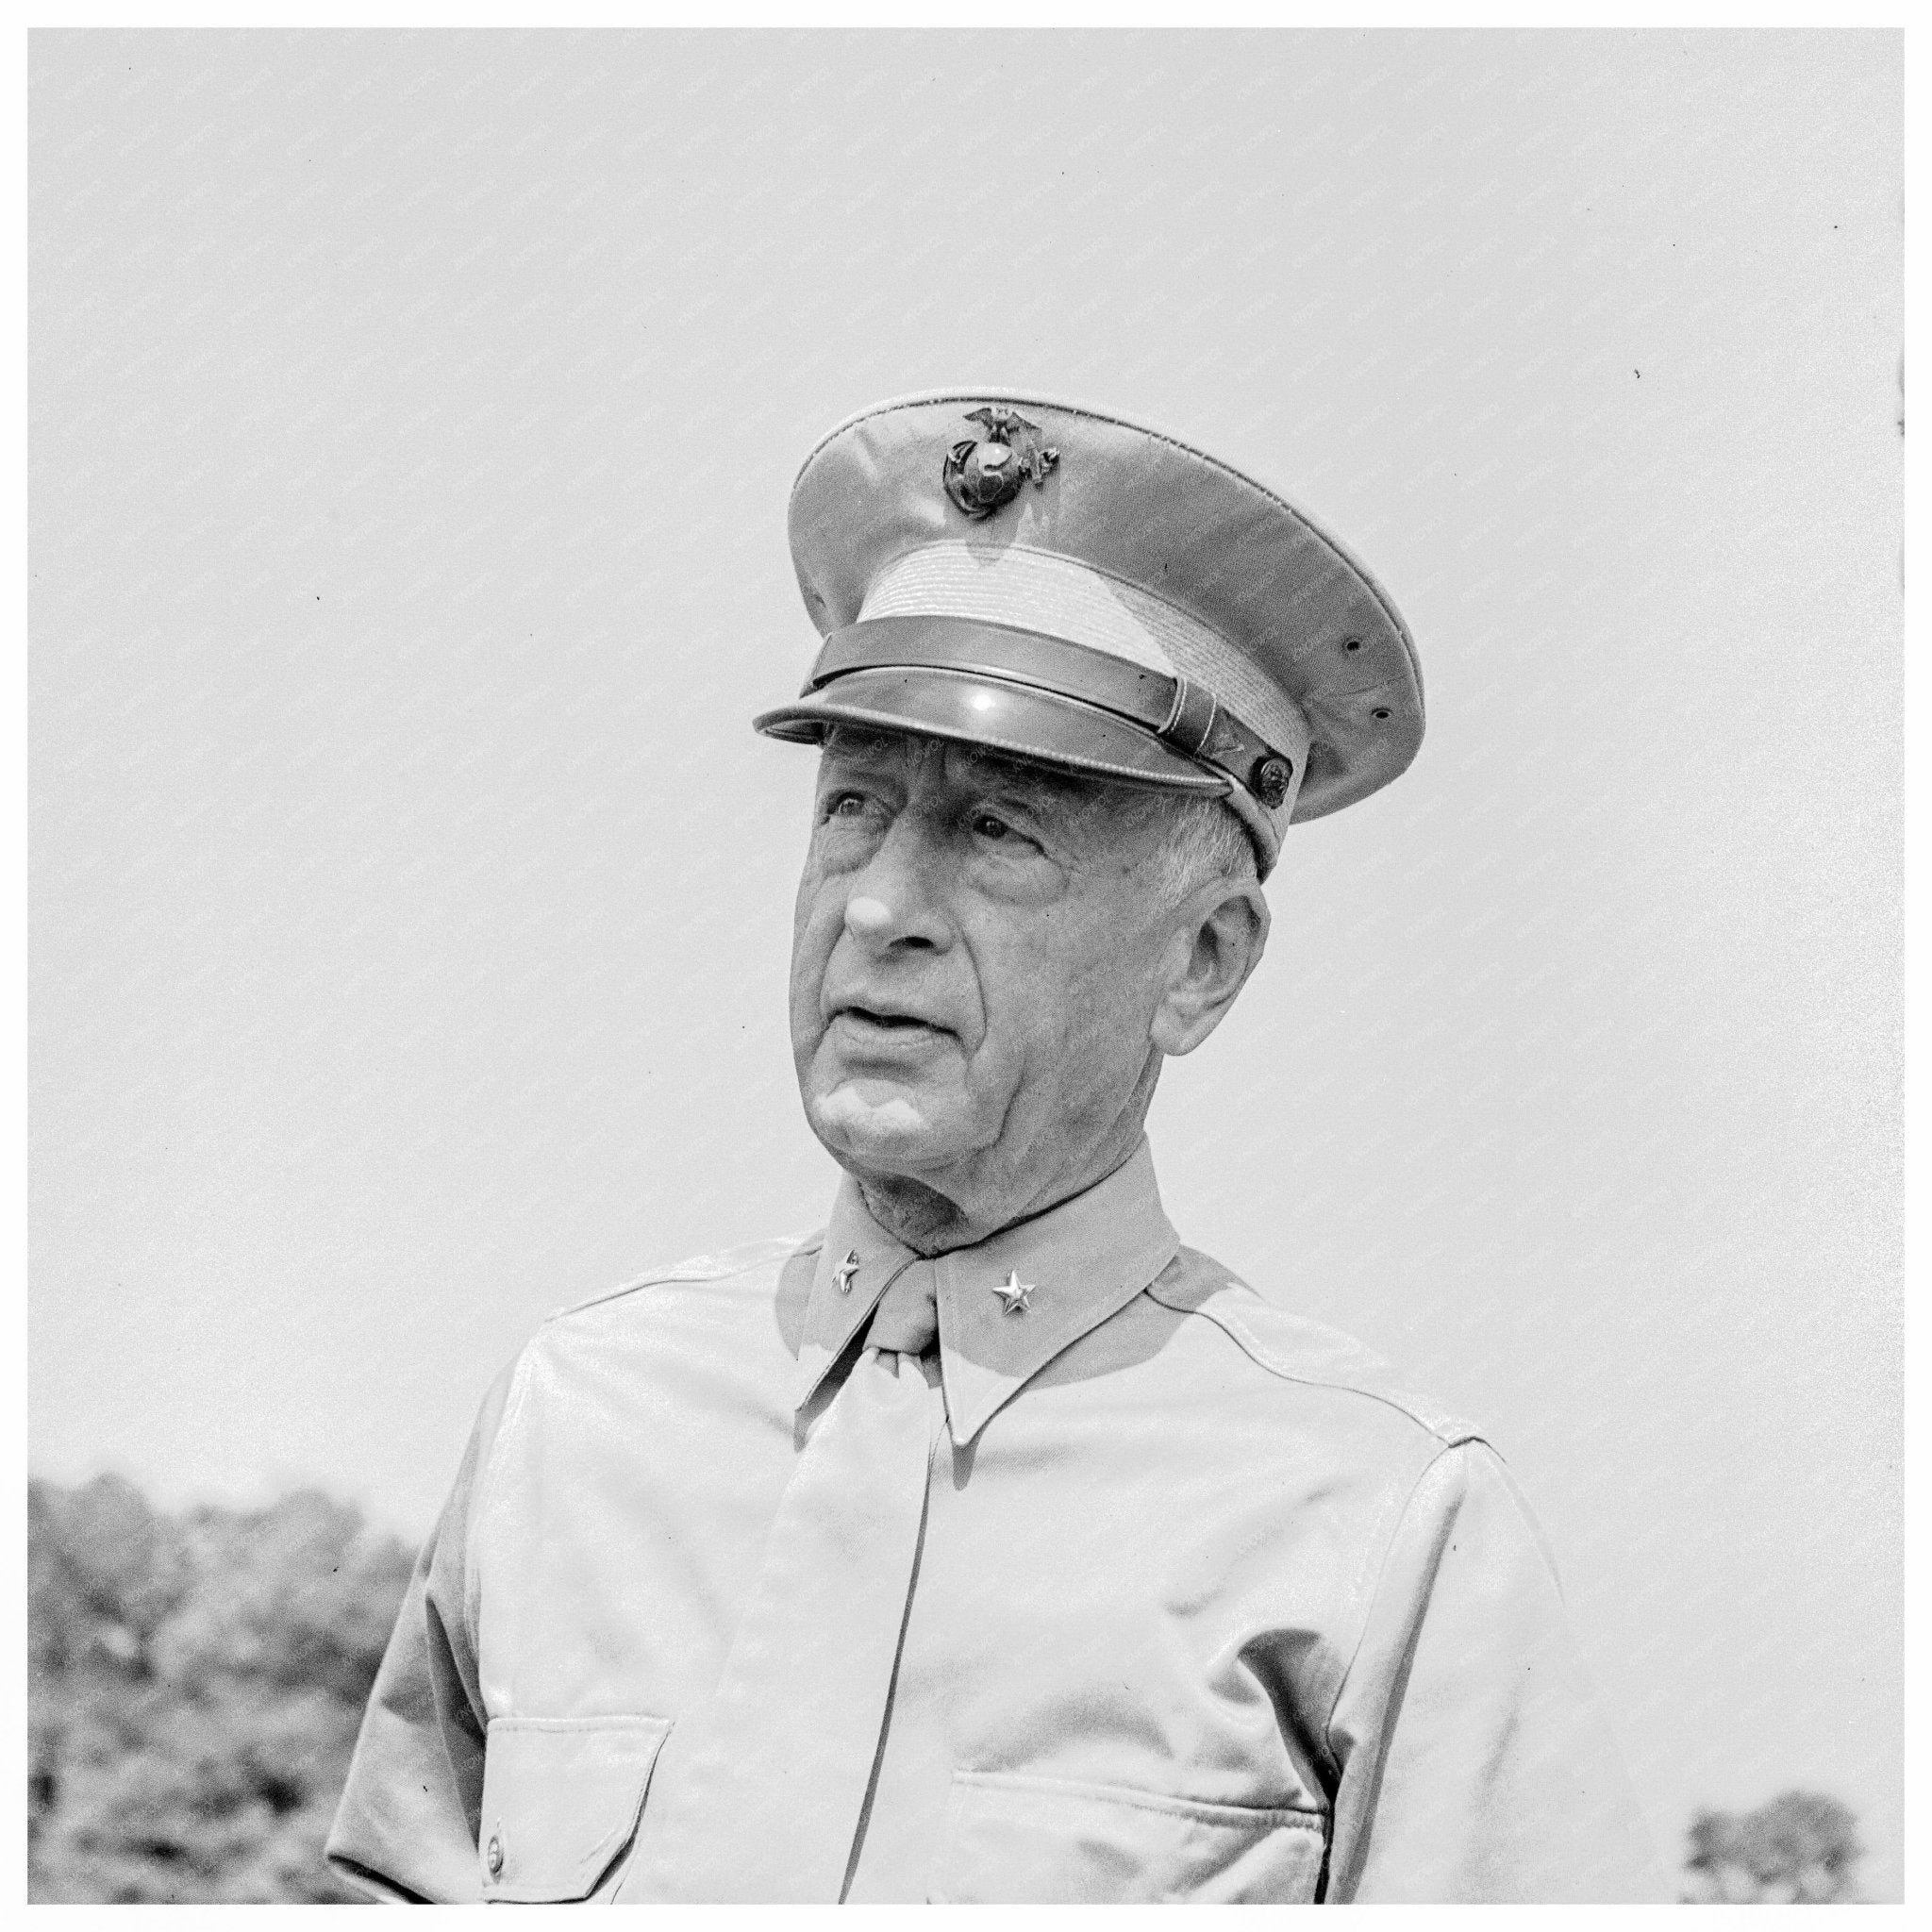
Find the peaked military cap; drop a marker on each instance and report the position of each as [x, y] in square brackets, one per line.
[1074, 589]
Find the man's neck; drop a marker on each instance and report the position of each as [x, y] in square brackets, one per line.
[931, 1223]
[915, 1214]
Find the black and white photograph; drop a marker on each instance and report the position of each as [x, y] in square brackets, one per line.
[965, 965]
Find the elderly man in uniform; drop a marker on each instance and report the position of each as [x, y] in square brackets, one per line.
[992, 1544]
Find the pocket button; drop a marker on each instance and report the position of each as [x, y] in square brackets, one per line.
[494, 1856]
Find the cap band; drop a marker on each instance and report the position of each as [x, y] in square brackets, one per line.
[1028, 589]
[1172, 708]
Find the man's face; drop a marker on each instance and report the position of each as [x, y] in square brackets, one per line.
[979, 953]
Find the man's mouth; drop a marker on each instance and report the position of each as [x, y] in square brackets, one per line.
[890, 1021]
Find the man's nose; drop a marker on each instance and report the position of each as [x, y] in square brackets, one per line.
[893, 904]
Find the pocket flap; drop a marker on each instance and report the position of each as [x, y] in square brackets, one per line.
[562, 1798]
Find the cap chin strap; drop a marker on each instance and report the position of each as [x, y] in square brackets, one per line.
[1182, 714]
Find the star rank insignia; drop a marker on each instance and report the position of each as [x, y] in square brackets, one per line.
[1013, 1295]
[842, 1274]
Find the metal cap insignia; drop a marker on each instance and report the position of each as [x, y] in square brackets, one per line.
[985, 477]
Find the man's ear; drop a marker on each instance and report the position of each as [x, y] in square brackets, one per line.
[1219, 942]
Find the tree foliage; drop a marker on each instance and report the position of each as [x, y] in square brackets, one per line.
[1801, 1848]
[194, 1687]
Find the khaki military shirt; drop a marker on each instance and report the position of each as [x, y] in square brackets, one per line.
[1204, 1609]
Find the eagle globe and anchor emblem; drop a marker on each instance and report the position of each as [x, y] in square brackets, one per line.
[984, 475]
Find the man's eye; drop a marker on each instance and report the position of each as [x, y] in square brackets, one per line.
[988, 826]
[847, 804]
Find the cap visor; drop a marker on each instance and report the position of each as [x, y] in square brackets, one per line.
[972, 709]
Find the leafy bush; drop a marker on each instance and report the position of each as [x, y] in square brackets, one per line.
[1799, 1849]
[194, 1687]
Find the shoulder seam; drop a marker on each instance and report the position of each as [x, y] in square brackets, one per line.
[696, 1268]
[1448, 1430]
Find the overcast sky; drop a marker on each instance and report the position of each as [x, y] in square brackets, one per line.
[413, 421]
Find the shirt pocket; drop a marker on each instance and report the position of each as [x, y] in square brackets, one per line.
[561, 1799]
[1032, 1840]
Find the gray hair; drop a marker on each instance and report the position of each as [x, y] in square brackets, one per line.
[1199, 839]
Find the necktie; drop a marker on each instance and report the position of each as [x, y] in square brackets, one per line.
[758, 1796]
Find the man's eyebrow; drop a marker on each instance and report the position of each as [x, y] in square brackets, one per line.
[854, 745]
[1019, 778]
[1020, 775]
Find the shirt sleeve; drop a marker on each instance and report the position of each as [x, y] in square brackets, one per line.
[406, 1828]
[1475, 1762]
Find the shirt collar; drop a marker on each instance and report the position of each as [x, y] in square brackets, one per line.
[1082, 1261]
